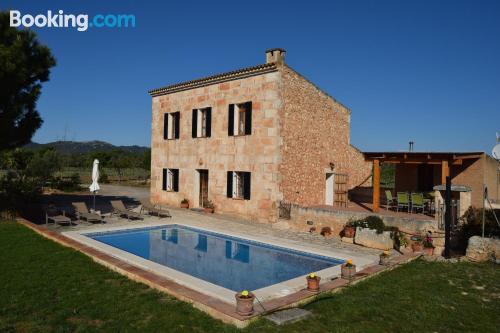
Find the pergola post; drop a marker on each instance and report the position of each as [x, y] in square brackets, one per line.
[445, 171]
[376, 186]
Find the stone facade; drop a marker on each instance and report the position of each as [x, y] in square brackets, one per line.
[316, 136]
[298, 132]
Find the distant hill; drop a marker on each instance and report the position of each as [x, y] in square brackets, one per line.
[69, 147]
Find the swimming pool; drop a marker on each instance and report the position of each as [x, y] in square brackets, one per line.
[230, 262]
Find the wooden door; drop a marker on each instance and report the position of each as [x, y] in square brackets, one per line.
[203, 187]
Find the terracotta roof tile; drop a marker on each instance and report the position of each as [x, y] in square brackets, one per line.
[222, 77]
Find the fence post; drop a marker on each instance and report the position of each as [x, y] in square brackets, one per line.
[447, 218]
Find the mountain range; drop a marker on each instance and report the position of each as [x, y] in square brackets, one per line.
[69, 147]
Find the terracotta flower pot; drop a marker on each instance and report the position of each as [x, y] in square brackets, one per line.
[349, 232]
[244, 305]
[384, 260]
[208, 210]
[185, 205]
[348, 272]
[313, 283]
[417, 247]
[428, 251]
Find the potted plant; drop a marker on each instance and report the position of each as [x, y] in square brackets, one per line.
[428, 245]
[244, 303]
[185, 203]
[326, 232]
[416, 244]
[348, 270]
[313, 282]
[384, 258]
[208, 207]
[349, 231]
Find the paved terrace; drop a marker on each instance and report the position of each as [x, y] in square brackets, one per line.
[224, 224]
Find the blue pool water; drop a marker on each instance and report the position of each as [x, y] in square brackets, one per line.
[230, 262]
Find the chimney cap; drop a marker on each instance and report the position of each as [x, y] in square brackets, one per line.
[276, 49]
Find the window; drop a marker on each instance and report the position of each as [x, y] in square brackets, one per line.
[171, 125]
[240, 119]
[238, 185]
[170, 180]
[202, 123]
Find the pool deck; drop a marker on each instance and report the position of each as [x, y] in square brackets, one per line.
[218, 301]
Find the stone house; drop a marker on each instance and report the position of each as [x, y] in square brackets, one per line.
[248, 139]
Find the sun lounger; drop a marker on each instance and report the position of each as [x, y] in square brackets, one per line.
[57, 216]
[155, 210]
[120, 210]
[82, 213]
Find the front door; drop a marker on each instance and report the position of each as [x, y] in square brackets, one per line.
[203, 187]
[329, 189]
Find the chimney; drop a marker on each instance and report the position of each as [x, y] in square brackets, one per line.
[275, 56]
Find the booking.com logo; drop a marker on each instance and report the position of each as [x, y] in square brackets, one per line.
[81, 21]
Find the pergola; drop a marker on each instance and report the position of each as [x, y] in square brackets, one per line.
[445, 159]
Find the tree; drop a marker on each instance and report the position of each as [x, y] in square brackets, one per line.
[120, 160]
[24, 65]
[146, 161]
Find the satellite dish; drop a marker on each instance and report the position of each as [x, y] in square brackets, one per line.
[496, 149]
[496, 152]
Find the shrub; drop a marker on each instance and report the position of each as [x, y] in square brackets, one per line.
[16, 193]
[370, 222]
[472, 225]
[103, 177]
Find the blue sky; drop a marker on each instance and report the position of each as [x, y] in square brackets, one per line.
[427, 71]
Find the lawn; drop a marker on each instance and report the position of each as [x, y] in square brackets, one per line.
[49, 288]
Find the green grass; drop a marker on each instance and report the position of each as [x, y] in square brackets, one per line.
[45, 287]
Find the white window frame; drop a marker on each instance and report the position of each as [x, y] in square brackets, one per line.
[238, 185]
[239, 109]
[171, 126]
[170, 180]
[201, 123]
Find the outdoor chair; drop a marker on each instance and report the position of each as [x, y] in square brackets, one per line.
[57, 216]
[155, 210]
[82, 213]
[391, 201]
[417, 202]
[403, 201]
[120, 210]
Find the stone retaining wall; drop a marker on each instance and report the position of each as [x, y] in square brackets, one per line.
[304, 218]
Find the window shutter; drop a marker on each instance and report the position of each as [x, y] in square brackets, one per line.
[246, 185]
[177, 124]
[248, 118]
[175, 186]
[230, 121]
[194, 129]
[164, 185]
[209, 122]
[229, 184]
[165, 126]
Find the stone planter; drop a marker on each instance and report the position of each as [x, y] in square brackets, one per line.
[384, 260]
[417, 247]
[185, 205]
[370, 238]
[244, 305]
[429, 251]
[347, 272]
[208, 210]
[349, 232]
[313, 283]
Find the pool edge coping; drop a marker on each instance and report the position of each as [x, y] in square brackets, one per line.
[213, 306]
